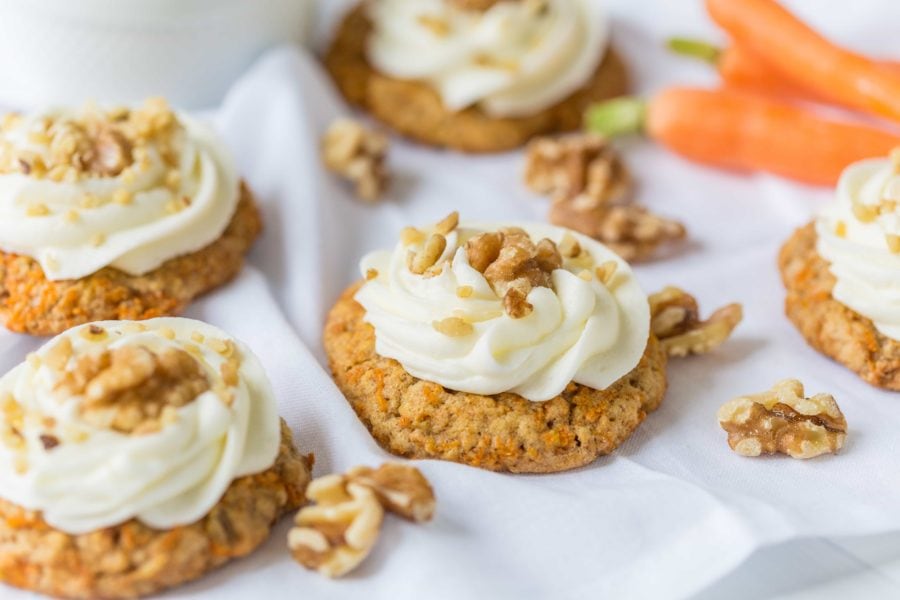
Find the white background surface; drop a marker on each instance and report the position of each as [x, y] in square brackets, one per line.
[673, 511]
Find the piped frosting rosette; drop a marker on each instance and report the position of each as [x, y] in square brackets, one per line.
[151, 420]
[85, 189]
[859, 234]
[513, 59]
[489, 308]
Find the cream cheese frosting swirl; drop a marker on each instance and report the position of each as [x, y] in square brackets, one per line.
[84, 475]
[580, 328]
[859, 234]
[514, 59]
[133, 189]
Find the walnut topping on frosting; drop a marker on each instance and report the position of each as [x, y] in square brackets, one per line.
[474, 5]
[675, 320]
[132, 389]
[453, 327]
[95, 143]
[424, 259]
[783, 421]
[514, 265]
[510, 260]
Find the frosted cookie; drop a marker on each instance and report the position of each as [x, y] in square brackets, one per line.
[135, 456]
[119, 214]
[476, 76]
[842, 274]
[524, 349]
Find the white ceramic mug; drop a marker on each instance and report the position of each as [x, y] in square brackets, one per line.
[120, 51]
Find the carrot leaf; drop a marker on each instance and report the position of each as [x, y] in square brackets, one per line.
[613, 118]
[695, 48]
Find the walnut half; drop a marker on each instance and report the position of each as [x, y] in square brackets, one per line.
[357, 154]
[403, 490]
[581, 169]
[783, 421]
[591, 192]
[675, 320]
[337, 533]
[630, 230]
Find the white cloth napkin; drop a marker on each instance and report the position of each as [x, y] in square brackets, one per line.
[673, 509]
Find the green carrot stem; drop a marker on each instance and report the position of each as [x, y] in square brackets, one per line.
[613, 118]
[695, 48]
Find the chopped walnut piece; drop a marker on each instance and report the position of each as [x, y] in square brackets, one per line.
[675, 320]
[582, 169]
[893, 242]
[57, 357]
[411, 235]
[357, 154]
[95, 142]
[569, 246]
[513, 265]
[401, 489]
[606, 271]
[448, 223]
[630, 230]
[337, 533]
[783, 420]
[436, 25]
[110, 154]
[453, 327]
[424, 259]
[474, 5]
[483, 249]
[49, 442]
[128, 389]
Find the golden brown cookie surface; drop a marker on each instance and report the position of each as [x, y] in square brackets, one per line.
[830, 327]
[131, 560]
[415, 110]
[420, 419]
[30, 303]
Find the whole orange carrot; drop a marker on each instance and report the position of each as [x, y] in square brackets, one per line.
[741, 68]
[807, 59]
[745, 131]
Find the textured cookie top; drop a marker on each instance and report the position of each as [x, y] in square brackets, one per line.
[859, 234]
[121, 419]
[491, 308]
[512, 58]
[85, 189]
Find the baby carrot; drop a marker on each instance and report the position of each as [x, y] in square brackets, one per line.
[749, 132]
[740, 68]
[808, 59]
